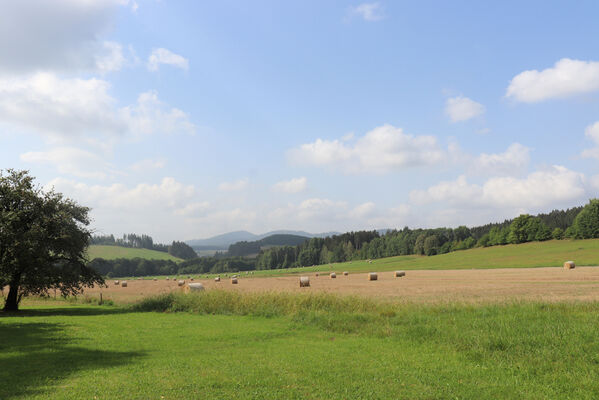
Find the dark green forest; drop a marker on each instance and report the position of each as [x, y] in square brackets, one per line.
[573, 223]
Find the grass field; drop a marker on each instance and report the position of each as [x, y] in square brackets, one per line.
[113, 252]
[282, 346]
[551, 253]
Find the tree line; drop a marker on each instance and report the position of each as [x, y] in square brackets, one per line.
[574, 223]
[577, 222]
[139, 267]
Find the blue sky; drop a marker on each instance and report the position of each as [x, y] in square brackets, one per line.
[186, 119]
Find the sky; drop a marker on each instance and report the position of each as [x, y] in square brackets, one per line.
[187, 119]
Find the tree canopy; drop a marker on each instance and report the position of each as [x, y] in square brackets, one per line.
[43, 239]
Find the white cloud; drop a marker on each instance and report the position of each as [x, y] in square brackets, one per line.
[71, 160]
[195, 209]
[233, 186]
[513, 161]
[169, 194]
[163, 56]
[58, 35]
[294, 185]
[370, 12]
[381, 150]
[592, 132]
[363, 210]
[63, 109]
[462, 109]
[112, 59]
[151, 116]
[547, 188]
[566, 78]
[148, 164]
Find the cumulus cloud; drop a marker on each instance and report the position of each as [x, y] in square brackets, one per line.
[67, 108]
[370, 12]
[234, 186]
[513, 161]
[163, 56]
[381, 150]
[547, 188]
[58, 35]
[566, 78]
[294, 185]
[71, 160]
[592, 132]
[462, 109]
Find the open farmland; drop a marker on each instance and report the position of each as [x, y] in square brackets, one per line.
[114, 252]
[488, 285]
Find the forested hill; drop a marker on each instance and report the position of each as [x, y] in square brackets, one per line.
[244, 248]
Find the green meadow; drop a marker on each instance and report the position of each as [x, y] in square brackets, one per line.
[216, 345]
[551, 253]
[114, 252]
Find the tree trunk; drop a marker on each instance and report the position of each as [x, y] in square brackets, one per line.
[12, 300]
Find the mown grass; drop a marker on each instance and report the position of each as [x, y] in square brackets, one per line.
[295, 346]
[114, 252]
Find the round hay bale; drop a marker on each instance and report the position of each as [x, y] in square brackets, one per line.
[181, 283]
[124, 284]
[217, 279]
[372, 276]
[304, 281]
[193, 287]
[345, 273]
[569, 265]
[116, 283]
[399, 274]
[234, 281]
[333, 275]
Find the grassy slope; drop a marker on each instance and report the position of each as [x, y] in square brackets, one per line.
[355, 350]
[551, 253]
[112, 252]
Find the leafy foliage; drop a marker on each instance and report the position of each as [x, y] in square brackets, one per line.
[43, 238]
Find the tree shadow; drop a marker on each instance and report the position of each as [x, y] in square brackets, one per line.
[36, 356]
[65, 311]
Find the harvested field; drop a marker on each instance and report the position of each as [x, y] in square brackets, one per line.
[472, 286]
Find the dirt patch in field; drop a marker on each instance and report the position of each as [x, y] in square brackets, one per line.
[493, 285]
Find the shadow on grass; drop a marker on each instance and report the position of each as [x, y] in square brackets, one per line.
[34, 357]
[65, 311]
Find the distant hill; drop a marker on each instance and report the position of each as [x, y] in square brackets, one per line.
[246, 248]
[114, 252]
[222, 242]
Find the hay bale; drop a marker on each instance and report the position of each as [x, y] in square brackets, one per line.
[345, 273]
[181, 283]
[116, 283]
[399, 274]
[124, 284]
[372, 276]
[234, 281]
[304, 281]
[217, 279]
[569, 265]
[333, 275]
[193, 287]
